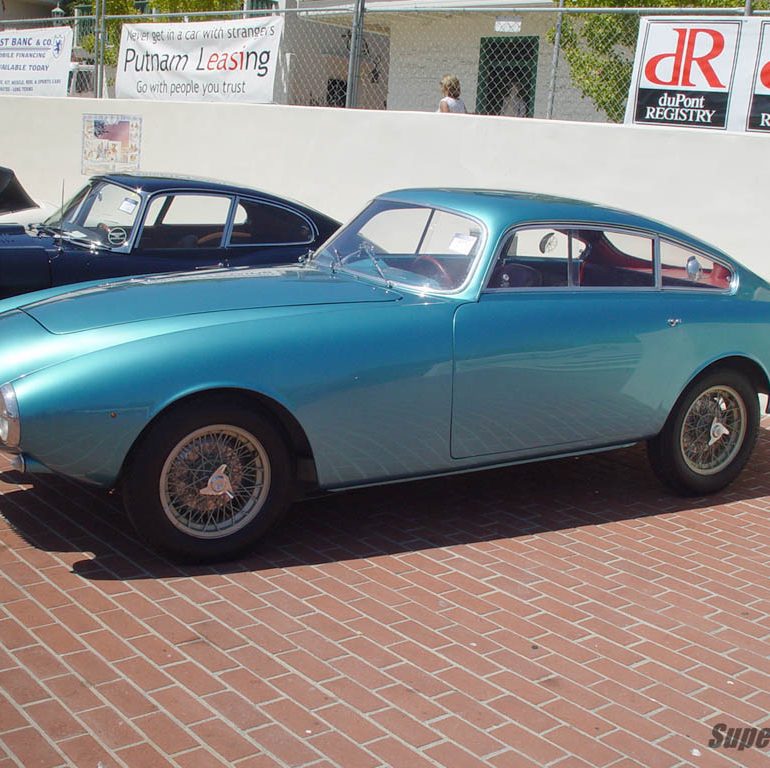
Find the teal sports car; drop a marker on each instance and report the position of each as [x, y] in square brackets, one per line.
[440, 331]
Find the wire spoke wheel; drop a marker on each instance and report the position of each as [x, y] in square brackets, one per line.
[713, 430]
[709, 434]
[215, 481]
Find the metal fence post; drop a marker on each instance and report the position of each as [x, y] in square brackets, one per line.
[103, 47]
[555, 62]
[354, 62]
[748, 10]
[98, 59]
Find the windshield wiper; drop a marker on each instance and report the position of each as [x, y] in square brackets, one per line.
[369, 251]
[338, 261]
[46, 229]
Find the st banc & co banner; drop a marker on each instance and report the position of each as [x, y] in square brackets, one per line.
[201, 61]
[711, 73]
[35, 62]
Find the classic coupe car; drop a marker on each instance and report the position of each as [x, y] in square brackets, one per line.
[124, 224]
[440, 331]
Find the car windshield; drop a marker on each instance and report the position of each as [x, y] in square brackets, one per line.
[411, 245]
[102, 213]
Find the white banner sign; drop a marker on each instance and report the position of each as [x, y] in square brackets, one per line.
[759, 111]
[702, 73]
[202, 61]
[35, 62]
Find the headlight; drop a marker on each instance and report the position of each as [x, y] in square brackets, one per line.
[9, 417]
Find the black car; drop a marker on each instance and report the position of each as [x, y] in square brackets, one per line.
[126, 224]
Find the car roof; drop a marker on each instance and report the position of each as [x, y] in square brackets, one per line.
[157, 182]
[506, 208]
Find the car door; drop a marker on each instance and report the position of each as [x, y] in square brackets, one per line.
[265, 232]
[554, 363]
[180, 231]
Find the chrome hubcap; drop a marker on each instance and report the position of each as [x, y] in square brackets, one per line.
[218, 484]
[215, 481]
[713, 430]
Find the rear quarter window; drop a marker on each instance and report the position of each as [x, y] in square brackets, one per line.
[684, 268]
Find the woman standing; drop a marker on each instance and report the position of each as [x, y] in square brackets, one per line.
[451, 101]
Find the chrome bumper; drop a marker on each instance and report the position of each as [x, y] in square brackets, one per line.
[26, 464]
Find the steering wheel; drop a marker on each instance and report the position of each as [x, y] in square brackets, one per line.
[437, 271]
[115, 234]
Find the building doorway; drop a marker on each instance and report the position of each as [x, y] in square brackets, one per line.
[507, 76]
[336, 92]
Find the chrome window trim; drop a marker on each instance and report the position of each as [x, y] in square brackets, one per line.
[128, 245]
[262, 201]
[732, 285]
[421, 290]
[621, 229]
[175, 192]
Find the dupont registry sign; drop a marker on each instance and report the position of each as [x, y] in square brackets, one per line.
[711, 73]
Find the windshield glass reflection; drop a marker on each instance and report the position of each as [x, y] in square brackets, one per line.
[411, 245]
[101, 213]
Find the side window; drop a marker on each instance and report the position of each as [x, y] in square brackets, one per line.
[618, 260]
[538, 257]
[185, 221]
[258, 223]
[682, 268]
[552, 257]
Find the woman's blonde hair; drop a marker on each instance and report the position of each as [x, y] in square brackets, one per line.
[450, 85]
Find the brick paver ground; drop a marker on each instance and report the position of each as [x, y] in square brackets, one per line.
[568, 614]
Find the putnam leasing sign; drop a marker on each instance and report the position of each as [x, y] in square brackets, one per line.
[203, 61]
[35, 62]
[708, 73]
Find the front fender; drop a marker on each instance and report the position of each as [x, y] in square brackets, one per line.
[357, 379]
[24, 269]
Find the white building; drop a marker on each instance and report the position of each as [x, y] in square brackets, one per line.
[489, 45]
[25, 9]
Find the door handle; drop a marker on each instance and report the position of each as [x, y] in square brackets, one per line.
[218, 265]
[674, 321]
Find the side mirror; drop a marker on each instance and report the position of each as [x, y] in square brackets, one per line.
[693, 268]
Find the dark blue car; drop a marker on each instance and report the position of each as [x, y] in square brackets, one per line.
[126, 224]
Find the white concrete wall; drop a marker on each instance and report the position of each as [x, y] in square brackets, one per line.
[708, 183]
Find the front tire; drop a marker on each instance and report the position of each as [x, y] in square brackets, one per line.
[207, 480]
[709, 435]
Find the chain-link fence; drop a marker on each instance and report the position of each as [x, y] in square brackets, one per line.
[561, 62]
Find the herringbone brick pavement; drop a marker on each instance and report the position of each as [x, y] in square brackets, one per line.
[564, 614]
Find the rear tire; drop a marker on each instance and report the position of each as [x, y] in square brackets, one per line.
[207, 480]
[709, 435]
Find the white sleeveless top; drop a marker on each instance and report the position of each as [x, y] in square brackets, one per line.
[454, 105]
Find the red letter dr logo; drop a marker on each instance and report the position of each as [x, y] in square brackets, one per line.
[684, 58]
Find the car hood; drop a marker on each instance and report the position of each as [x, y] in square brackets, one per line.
[96, 305]
[15, 235]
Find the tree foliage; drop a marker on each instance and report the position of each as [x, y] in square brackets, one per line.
[129, 7]
[599, 47]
